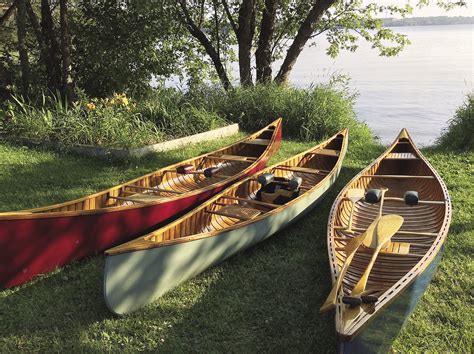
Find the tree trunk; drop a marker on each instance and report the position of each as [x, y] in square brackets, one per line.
[304, 33]
[7, 13]
[67, 82]
[210, 50]
[245, 33]
[53, 67]
[21, 31]
[263, 54]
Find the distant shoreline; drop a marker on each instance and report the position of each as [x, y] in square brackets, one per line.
[428, 21]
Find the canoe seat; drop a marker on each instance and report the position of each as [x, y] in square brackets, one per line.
[233, 158]
[401, 156]
[264, 142]
[236, 211]
[140, 198]
[327, 152]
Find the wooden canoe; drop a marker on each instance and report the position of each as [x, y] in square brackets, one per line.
[405, 266]
[142, 270]
[38, 240]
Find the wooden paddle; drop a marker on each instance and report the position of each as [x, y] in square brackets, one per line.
[354, 195]
[350, 250]
[383, 190]
[378, 240]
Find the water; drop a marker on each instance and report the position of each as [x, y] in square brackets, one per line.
[420, 89]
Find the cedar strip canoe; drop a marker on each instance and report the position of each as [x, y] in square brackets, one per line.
[400, 274]
[37, 241]
[138, 272]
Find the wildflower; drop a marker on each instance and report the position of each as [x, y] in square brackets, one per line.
[91, 106]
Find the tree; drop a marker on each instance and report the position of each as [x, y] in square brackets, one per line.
[67, 82]
[280, 29]
[21, 30]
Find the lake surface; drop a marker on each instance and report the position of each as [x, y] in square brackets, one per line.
[420, 89]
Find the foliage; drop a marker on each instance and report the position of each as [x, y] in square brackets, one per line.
[459, 134]
[117, 121]
[178, 114]
[119, 48]
[97, 122]
[264, 299]
[308, 114]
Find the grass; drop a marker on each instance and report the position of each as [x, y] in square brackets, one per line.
[264, 299]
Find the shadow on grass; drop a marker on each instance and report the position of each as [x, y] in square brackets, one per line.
[265, 298]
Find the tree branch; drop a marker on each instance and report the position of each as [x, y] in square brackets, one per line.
[304, 33]
[202, 38]
[7, 13]
[229, 16]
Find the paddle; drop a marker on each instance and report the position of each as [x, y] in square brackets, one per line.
[354, 195]
[378, 240]
[350, 250]
[384, 190]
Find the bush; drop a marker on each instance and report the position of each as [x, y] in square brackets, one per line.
[177, 114]
[308, 114]
[459, 135]
[109, 122]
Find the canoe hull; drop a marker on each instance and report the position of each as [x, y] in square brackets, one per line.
[37, 245]
[173, 264]
[378, 336]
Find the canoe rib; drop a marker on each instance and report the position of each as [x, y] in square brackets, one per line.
[400, 168]
[210, 234]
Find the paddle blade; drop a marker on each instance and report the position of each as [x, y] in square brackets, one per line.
[385, 224]
[355, 194]
[388, 226]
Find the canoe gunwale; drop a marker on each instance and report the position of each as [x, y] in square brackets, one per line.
[36, 213]
[326, 179]
[391, 294]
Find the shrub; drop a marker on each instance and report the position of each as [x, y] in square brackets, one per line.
[459, 134]
[109, 122]
[308, 114]
[177, 114]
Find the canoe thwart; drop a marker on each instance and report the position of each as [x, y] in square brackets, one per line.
[237, 212]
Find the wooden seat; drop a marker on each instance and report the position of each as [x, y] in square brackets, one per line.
[233, 158]
[401, 156]
[139, 198]
[154, 189]
[236, 211]
[327, 152]
[258, 142]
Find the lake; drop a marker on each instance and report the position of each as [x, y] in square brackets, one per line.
[419, 89]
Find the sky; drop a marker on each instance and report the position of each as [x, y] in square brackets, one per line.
[430, 10]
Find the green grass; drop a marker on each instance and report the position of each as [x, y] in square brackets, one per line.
[264, 299]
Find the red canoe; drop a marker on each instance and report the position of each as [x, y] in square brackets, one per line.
[36, 241]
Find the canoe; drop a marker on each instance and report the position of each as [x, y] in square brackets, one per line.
[138, 272]
[369, 318]
[37, 241]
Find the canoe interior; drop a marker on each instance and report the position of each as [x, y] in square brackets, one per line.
[166, 184]
[424, 229]
[239, 203]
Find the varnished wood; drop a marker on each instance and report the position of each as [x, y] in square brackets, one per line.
[251, 201]
[302, 169]
[167, 182]
[220, 214]
[400, 168]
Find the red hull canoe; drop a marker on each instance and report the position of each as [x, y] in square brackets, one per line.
[36, 241]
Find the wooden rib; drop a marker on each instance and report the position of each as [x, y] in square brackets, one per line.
[252, 201]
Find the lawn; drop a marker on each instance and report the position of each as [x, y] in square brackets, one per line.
[264, 299]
